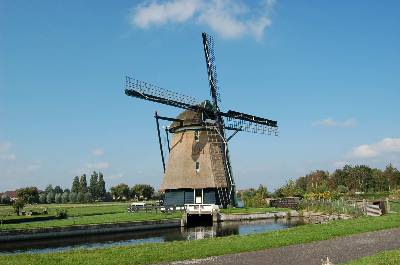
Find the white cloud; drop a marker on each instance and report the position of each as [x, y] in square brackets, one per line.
[33, 167]
[8, 157]
[229, 19]
[100, 165]
[5, 146]
[329, 122]
[340, 164]
[115, 176]
[98, 152]
[154, 13]
[386, 146]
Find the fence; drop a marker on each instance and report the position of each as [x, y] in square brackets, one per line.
[156, 209]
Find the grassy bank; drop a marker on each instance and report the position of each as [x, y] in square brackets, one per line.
[383, 258]
[164, 252]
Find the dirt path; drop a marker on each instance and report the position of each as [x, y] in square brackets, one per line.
[338, 250]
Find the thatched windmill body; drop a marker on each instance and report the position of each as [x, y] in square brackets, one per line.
[198, 168]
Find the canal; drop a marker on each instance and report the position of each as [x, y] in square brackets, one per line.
[146, 236]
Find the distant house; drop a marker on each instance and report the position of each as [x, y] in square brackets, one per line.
[10, 193]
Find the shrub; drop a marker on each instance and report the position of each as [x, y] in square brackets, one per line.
[330, 207]
[61, 213]
[18, 205]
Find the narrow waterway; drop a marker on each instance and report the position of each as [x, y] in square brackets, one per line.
[148, 236]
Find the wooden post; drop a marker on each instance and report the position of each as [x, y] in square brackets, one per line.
[387, 205]
[364, 205]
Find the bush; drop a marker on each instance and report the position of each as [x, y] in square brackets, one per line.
[61, 213]
[331, 207]
[18, 205]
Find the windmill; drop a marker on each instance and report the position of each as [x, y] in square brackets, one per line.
[199, 168]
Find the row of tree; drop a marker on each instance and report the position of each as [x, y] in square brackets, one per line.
[359, 178]
[96, 188]
[81, 192]
[137, 192]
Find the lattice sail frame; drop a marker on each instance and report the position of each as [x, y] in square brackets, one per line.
[145, 90]
[212, 65]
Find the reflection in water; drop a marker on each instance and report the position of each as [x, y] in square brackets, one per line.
[148, 236]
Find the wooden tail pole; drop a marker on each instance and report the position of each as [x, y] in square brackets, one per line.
[159, 141]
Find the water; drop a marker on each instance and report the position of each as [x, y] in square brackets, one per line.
[149, 236]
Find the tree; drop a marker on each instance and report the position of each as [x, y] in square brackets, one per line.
[75, 185]
[65, 197]
[58, 189]
[5, 199]
[83, 184]
[120, 192]
[87, 197]
[143, 191]
[80, 197]
[49, 188]
[255, 198]
[42, 197]
[73, 197]
[57, 198]
[28, 195]
[393, 176]
[93, 184]
[381, 181]
[50, 197]
[18, 205]
[290, 189]
[101, 187]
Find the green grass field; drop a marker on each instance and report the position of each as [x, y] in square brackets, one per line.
[382, 258]
[73, 209]
[84, 214]
[180, 250]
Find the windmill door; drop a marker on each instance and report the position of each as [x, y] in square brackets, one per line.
[198, 196]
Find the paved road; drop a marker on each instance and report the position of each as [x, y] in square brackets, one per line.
[338, 250]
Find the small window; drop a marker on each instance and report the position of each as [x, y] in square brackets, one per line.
[196, 136]
[197, 167]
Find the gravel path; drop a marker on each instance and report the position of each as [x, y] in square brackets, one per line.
[338, 250]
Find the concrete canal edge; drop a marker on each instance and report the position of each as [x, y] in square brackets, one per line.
[256, 216]
[80, 230]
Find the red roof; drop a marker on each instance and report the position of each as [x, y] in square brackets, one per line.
[10, 193]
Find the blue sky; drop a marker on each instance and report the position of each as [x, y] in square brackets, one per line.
[328, 71]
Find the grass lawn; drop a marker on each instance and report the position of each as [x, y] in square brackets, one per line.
[83, 214]
[73, 209]
[172, 251]
[93, 219]
[382, 258]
